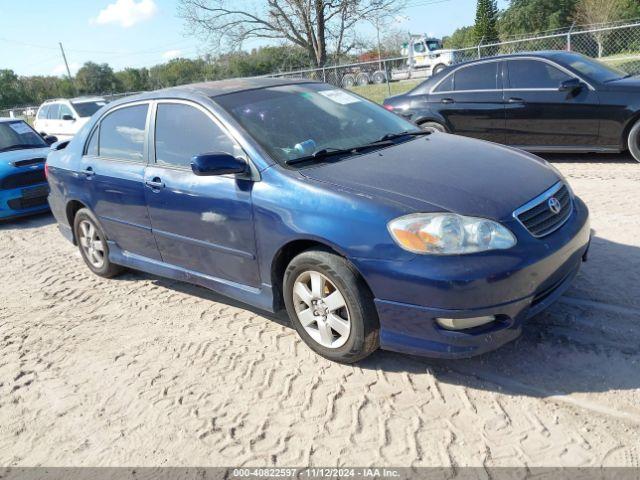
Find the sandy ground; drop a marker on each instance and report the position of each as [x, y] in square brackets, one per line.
[141, 370]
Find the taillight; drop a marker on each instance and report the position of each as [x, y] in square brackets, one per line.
[389, 107]
[46, 170]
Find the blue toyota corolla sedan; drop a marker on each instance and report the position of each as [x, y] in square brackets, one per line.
[23, 186]
[298, 195]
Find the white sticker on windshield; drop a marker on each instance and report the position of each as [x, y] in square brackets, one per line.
[339, 96]
[20, 128]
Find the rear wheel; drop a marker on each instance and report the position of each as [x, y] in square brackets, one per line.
[330, 306]
[92, 243]
[634, 141]
[363, 79]
[379, 76]
[433, 126]
[348, 81]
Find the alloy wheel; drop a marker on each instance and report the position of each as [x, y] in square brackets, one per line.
[321, 309]
[91, 243]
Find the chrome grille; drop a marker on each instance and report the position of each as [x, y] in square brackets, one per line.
[538, 216]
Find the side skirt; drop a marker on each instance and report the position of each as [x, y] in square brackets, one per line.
[261, 298]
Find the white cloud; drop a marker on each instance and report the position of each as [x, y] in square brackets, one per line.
[126, 13]
[169, 54]
[61, 69]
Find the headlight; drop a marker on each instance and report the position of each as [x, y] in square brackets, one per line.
[449, 234]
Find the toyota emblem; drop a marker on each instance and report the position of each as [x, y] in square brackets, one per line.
[554, 205]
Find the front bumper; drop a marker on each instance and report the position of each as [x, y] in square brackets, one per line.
[19, 202]
[513, 285]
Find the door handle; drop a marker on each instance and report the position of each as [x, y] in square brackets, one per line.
[447, 100]
[89, 172]
[154, 184]
[515, 100]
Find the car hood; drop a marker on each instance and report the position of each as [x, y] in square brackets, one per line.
[630, 84]
[444, 172]
[7, 159]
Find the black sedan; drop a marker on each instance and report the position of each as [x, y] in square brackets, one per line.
[543, 101]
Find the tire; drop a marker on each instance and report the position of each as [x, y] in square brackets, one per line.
[324, 274]
[85, 226]
[379, 77]
[348, 81]
[634, 141]
[363, 79]
[438, 68]
[433, 126]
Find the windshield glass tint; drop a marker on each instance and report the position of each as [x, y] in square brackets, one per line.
[19, 135]
[593, 69]
[293, 121]
[86, 109]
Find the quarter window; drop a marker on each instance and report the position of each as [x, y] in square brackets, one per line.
[446, 85]
[42, 114]
[183, 131]
[122, 133]
[534, 74]
[482, 76]
[92, 147]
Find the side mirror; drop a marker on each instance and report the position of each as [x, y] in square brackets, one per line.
[571, 85]
[68, 117]
[217, 163]
[50, 139]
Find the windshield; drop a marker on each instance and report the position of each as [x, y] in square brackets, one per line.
[596, 70]
[86, 109]
[434, 45]
[17, 135]
[294, 121]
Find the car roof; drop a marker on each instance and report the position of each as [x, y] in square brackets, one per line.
[212, 89]
[9, 119]
[75, 99]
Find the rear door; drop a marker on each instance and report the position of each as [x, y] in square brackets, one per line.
[540, 115]
[113, 165]
[201, 223]
[470, 100]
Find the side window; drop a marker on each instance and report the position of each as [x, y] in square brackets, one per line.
[482, 76]
[534, 74]
[54, 111]
[446, 85]
[42, 114]
[92, 147]
[183, 131]
[65, 110]
[122, 133]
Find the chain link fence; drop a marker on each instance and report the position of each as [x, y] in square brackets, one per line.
[616, 45]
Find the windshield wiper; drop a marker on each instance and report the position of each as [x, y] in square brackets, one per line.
[322, 153]
[414, 133]
[20, 146]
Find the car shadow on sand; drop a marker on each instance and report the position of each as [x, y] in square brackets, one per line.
[588, 341]
[624, 157]
[32, 221]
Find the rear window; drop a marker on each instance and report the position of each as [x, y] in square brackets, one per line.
[122, 133]
[54, 111]
[44, 110]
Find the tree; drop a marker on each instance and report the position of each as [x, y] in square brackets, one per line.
[594, 12]
[95, 78]
[317, 26]
[485, 29]
[460, 38]
[529, 17]
[133, 79]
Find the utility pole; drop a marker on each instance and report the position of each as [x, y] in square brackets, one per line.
[64, 57]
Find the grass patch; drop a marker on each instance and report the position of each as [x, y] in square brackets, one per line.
[377, 93]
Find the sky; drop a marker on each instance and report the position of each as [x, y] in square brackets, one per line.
[137, 33]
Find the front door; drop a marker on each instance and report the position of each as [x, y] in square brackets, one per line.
[203, 224]
[470, 100]
[539, 114]
[113, 173]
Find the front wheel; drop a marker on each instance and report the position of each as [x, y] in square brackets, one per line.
[634, 141]
[330, 306]
[438, 68]
[92, 243]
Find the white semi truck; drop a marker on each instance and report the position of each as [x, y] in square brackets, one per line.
[425, 57]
